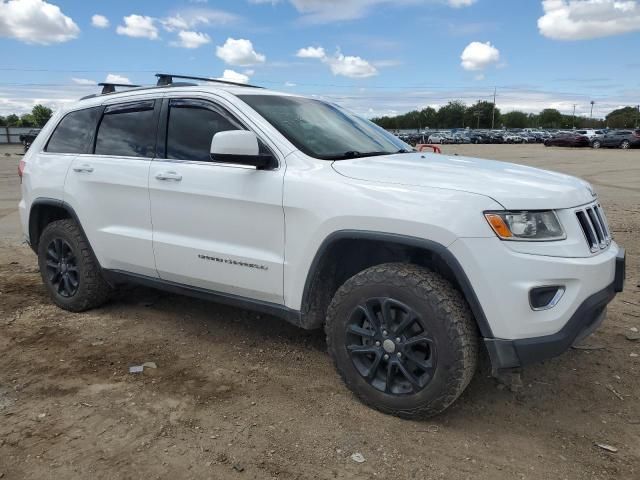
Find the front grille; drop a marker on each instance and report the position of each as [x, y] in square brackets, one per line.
[594, 226]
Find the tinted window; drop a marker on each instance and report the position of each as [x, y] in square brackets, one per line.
[74, 133]
[191, 126]
[127, 130]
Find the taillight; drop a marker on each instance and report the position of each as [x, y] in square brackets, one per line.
[636, 133]
[21, 166]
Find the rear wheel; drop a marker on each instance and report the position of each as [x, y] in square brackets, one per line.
[596, 144]
[403, 339]
[625, 144]
[69, 269]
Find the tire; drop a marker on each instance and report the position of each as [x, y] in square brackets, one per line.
[596, 144]
[625, 145]
[438, 350]
[64, 252]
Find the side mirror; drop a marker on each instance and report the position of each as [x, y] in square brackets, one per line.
[241, 147]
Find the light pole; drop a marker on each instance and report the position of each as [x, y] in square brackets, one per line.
[573, 118]
[493, 109]
[591, 114]
[477, 114]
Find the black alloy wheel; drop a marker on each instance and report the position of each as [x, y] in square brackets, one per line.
[390, 346]
[62, 268]
[69, 270]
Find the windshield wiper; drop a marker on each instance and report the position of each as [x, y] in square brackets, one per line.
[356, 154]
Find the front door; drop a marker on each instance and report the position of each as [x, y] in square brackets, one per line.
[215, 226]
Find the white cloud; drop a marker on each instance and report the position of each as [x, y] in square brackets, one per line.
[138, 26]
[189, 39]
[239, 52]
[350, 66]
[323, 11]
[344, 65]
[289, 84]
[35, 21]
[115, 78]
[584, 19]
[460, 3]
[83, 81]
[192, 17]
[478, 56]
[233, 76]
[99, 21]
[311, 52]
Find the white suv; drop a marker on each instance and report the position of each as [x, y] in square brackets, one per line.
[413, 263]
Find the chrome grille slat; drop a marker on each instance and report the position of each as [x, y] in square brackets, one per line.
[594, 226]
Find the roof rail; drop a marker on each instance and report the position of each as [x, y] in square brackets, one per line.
[165, 79]
[108, 87]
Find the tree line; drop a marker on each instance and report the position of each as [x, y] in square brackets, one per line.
[482, 114]
[36, 119]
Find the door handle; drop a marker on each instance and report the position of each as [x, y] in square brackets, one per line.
[86, 168]
[169, 176]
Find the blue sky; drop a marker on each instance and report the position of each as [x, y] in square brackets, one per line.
[374, 56]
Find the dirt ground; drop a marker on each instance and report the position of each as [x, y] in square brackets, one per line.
[240, 395]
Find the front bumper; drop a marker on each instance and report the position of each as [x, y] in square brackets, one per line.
[586, 319]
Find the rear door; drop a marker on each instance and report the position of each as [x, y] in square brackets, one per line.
[216, 226]
[108, 187]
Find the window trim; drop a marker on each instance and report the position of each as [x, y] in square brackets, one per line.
[139, 105]
[207, 104]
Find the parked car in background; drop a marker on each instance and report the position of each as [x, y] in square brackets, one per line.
[564, 139]
[479, 137]
[461, 137]
[439, 137]
[618, 139]
[27, 138]
[496, 137]
[513, 138]
[590, 132]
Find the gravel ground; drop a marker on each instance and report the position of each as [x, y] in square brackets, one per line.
[240, 395]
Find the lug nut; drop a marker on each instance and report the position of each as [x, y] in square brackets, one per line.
[399, 354]
[398, 340]
[377, 344]
[386, 357]
[384, 332]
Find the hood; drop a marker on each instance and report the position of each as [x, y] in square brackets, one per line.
[515, 187]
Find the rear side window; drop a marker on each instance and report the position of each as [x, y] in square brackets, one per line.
[74, 134]
[191, 126]
[127, 130]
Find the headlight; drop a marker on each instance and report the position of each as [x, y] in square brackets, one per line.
[527, 226]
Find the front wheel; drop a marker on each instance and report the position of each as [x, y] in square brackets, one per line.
[403, 339]
[596, 144]
[625, 145]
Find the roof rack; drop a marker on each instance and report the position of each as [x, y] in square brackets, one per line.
[165, 79]
[108, 87]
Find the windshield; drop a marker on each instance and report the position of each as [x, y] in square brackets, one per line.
[323, 130]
